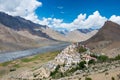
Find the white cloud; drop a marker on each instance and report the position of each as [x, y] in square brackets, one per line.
[95, 21]
[26, 9]
[23, 8]
[60, 7]
[115, 18]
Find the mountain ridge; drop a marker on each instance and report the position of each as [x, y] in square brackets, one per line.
[17, 23]
[106, 40]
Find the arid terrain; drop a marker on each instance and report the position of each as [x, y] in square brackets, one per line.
[59, 40]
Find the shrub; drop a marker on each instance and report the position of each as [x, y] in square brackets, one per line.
[6, 63]
[91, 62]
[81, 49]
[102, 58]
[112, 78]
[94, 55]
[12, 69]
[117, 57]
[87, 78]
[81, 65]
[56, 74]
[72, 70]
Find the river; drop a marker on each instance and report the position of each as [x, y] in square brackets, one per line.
[20, 54]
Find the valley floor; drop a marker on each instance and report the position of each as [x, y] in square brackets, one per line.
[25, 64]
[104, 71]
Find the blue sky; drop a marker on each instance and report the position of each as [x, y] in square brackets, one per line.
[65, 14]
[68, 10]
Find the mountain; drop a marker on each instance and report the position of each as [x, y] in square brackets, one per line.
[107, 40]
[11, 41]
[79, 35]
[64, 32]
[36, 33]
[54, 34]
[20, 24]
[32, 30]
[86, 30]
[17, 33]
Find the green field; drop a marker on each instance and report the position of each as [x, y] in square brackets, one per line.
[29, 62]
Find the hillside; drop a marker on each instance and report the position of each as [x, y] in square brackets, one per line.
[80, 35]
[19, 24]
[29, 29]
[17, 33]
[107, 39]
[10, 40]
[53, 34]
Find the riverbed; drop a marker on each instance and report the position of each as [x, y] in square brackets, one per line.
[20, 54]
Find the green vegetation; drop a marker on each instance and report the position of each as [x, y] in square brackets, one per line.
[9, 66]
[91, 62]
[102, 58]
[112, 78]
[43, 57]
[56, 74]
[5, 63]
[16, 65]
[56, 70]
[81, 65]
[117, 57]
[87, 78]
[12, 69]
[81, 49]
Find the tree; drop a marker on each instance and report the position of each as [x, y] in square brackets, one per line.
[91, 61]
[82, 65]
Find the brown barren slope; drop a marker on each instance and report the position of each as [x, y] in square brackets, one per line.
[107, 40]
[10, 40]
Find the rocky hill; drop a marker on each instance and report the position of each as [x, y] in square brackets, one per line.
[107, 40]
[80, 35]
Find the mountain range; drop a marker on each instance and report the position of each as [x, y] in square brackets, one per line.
[79, 35]
[18, 31]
